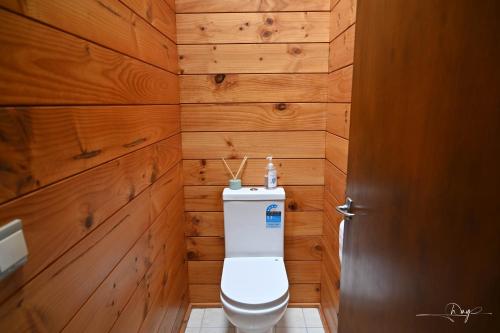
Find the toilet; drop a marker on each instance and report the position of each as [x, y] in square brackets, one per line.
[254, 284]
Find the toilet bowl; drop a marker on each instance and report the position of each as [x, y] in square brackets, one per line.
[254, 292]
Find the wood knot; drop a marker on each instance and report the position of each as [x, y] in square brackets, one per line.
[191, 255]
[202, 28]
[219, 78]
[317, 247]
[269, 21]
[181, 57]
[266, 33]
[89, 221]
[280, 106]
[296, 50]
[292, 205]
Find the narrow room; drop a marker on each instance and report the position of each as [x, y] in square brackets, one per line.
[249, 166]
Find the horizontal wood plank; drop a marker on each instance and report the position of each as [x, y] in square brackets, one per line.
[298, 27]
[229, 88]
[338, 117]
[217, 6]
[58, 292]
[210, 272]
[342, 16]
[340, 85]
[335, 181]
[342, 50]
[212, 223]
[337, 150]
[253, 117]
[44, 144]
[296, 248]
[209, 198]
[253, 58]
[81, 203]
[45, 66]
[290, 171]
[101, 310]
[157, 13]
[159, 279]
[122, 31]
[299, 293]
[211, 145]
[305, 293]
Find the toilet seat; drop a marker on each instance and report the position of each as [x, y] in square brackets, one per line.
[254, 283]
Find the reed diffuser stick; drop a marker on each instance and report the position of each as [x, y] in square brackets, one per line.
[241, 167]
[228, 168]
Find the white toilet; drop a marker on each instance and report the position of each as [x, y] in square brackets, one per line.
[254, 286]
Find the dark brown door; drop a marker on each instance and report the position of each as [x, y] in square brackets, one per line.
[424, 168]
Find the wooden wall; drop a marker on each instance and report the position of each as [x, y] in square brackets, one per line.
[90, 160]
[254, 82]
[342, 31]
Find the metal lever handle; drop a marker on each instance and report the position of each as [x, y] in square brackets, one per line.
[345, 209]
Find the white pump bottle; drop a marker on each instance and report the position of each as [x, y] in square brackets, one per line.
[271, 178]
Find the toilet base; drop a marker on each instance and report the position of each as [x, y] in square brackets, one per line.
[271, 330]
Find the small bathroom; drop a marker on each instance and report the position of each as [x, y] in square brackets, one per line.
[249, 166]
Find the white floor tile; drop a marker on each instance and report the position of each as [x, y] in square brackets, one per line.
[217, 330]
[293, 318]
[214, 317]
[192, 330]
[312, 317]
[195, 318]
[290, 330]
[315, 330]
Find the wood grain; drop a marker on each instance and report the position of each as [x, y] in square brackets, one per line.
[207, 145]
[342, 16]
[340, 85]
[157, 13]
[155, 286]
[335, 181]
[45, 144]
[212, 223]
[210, 272]
[44, 66]
[336, 151]
[338, 117]
[210, 293]
[212, 248]
[253, 58]
[196, 6]
[209, 198]
[58, 292]
[227, 88]
[123, 31]
[291, 27]
[101, 310]
[290, 171]
[342, 50]
[253, 116]
[81, 203]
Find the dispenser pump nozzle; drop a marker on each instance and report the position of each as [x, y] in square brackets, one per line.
[270, 165]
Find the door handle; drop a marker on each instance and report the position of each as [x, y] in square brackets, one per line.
[345, 209]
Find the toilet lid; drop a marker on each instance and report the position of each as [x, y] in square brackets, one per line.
[254, 280]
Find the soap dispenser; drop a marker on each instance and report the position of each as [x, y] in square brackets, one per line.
[271, 179]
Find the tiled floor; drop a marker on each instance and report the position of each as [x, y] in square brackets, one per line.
[295, 320]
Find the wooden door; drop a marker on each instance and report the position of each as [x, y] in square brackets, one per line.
[424, 168]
